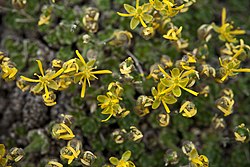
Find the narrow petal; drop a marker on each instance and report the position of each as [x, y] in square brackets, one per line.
[105, 120]
[29, 79]
[223, 16]
[142, 22]
[163, 72]
[59, 72]
[241, 70]
[40, 66]
[165, 106]
[137, 4]
[190, 91]
[237, 32]
[83, 88]
[102, 72]
[80, 57]
[125, 14]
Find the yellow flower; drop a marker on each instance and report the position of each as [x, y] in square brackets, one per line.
[110, 102]
[162, 95]
[177, 80]
[45, 80]
[44, 20]
[225, 30]
[123, 162]
[242, 133]
[71, 151]
[188, 108]
[139, 14]
[110, 105]
[62, 131]
[173, 34]
[86, 73]
[166, 8]
[230, 66]
[8, 70]
[197, 160]
[171, 10]
[3, 159]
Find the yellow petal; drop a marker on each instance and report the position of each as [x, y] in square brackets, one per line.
[83, 88]
[190, 91]
[130, 9]
[163, 72]
[223, 16]
[107, 118]
[29, 79]
[102, 72]
[80, 57]
[134, 23]
[125, 14]
[40, 66]
[165, 106]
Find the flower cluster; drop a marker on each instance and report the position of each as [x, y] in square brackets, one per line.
[110, 103]
[157, 15]
[8, 70]
[62, 75]
[170, 86]
[73, 150]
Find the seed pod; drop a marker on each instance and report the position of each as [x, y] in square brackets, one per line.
[119, 136]
[227, 92]
[88, 158]
[163, 119]
[204, 32]
[188, 108]
[147, 32]
[187, 147]
[121, 38]
[135, 134]
[90, 19]
[19, 4]
[142, 105]
[171, 157]
[225, 104]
